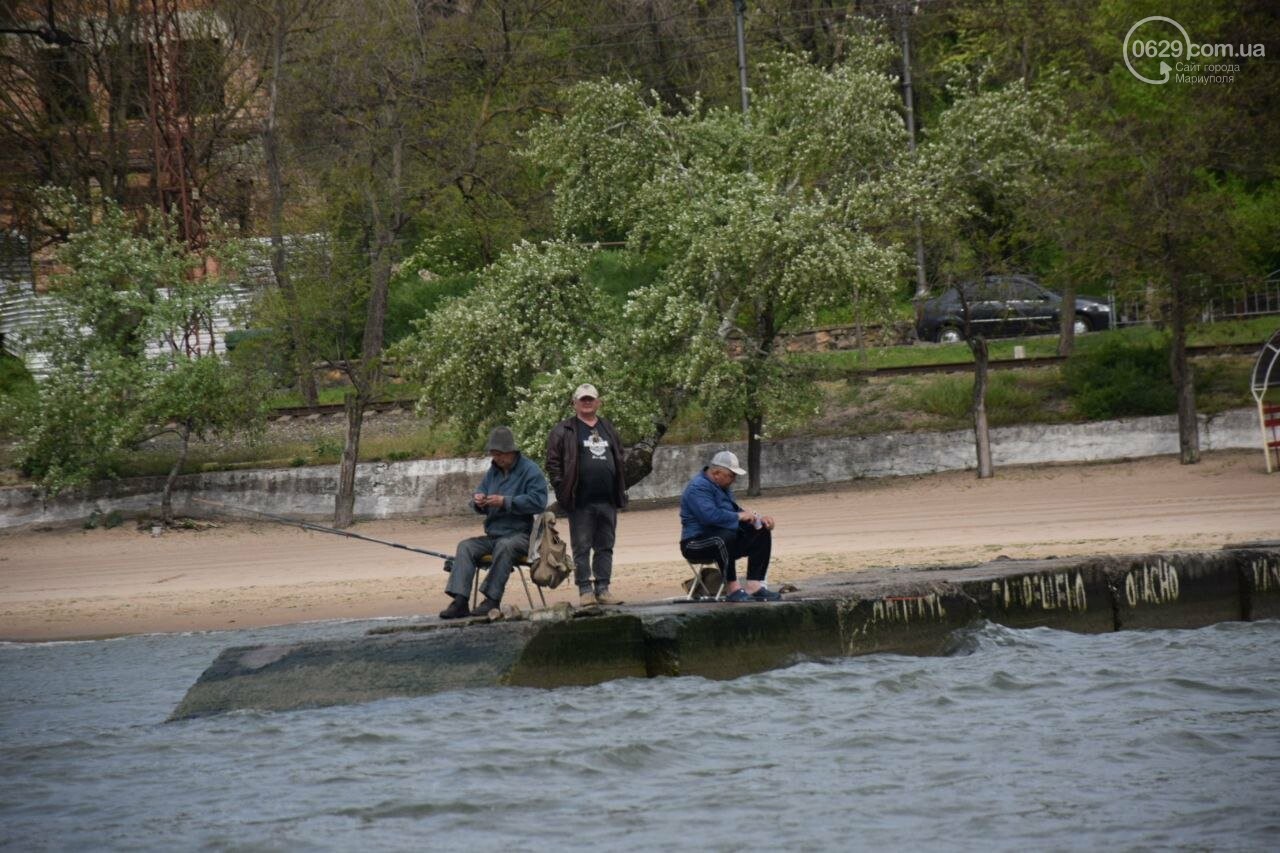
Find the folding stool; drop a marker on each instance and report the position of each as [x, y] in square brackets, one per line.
[518, 567]
[696, 568]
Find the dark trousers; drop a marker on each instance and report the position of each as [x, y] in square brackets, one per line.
[593, 528]
[725, 549]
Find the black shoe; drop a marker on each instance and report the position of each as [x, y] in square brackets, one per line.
[766, 594]
[485, 606]
[456, 609]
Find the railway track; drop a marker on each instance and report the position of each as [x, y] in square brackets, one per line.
[316, 412]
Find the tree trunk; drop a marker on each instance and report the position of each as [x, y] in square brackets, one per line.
[344, 504]
[1183, 380]
[908, 103]
[754, 427]
[166, 497]
[639, 461]
[1067, 321]
[981, 431]
[757, 370]
[275, 180]
[367, 375]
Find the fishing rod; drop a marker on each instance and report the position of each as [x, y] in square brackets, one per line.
[306, 525]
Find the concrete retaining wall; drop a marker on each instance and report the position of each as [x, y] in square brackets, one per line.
[903, 611]
[443, 486]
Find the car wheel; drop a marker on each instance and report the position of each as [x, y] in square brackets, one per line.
[1081, 326]
[949, 335]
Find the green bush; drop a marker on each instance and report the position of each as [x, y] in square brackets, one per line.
[617, 273]
[266, 350]
[1121, 378]
[326, 448]
[17, 389]
[411, 297]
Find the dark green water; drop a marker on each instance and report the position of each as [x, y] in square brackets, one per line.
[1017, 740]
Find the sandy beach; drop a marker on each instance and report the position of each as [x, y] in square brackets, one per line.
[70, 584]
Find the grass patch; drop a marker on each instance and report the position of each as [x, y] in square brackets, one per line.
[617, 274]
[1222, 383]
[838, 363]
[1013, 397]
[694, 426]
[1255, 330]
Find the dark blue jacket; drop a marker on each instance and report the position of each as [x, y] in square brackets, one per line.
[707, 509]
[525, 490]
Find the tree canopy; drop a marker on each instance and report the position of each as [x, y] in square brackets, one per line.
[133, 355]
[762, 220]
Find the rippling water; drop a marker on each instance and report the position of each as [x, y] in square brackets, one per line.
[1019, 739]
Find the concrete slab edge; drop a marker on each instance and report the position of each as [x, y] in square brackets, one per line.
[914, 611]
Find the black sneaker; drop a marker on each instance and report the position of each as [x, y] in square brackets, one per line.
[485, 606]
[766, 594]
[457, 609]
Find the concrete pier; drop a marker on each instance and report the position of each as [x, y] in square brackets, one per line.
[904, 611]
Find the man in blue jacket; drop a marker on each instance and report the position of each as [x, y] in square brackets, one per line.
[713, 528]
[512, 492]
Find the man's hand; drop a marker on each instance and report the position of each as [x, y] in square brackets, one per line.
[747, 517]
[489, 501]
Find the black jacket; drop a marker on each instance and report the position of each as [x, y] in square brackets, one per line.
[562, 461]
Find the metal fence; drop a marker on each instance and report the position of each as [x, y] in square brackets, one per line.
[1217, 302]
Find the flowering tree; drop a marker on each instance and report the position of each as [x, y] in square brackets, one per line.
[134, 356]
[765, 221]
[531, 311]
[990, 156]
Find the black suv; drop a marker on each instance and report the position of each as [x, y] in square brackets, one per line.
[1004, 305]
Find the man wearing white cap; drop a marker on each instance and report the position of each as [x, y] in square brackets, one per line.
[713, 528]
[585, 463]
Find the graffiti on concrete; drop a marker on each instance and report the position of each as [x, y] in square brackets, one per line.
[1064, 591]
[1266, 575]
[902, 609]
[1157, 584]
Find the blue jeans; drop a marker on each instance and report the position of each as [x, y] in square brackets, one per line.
[505, 550]
[593, 527]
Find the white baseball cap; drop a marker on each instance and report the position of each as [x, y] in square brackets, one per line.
[585, 390]
[726, 459]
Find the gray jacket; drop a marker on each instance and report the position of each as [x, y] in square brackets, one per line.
[525, 492]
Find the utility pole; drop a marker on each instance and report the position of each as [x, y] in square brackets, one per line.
[740, 6]
[922, 283]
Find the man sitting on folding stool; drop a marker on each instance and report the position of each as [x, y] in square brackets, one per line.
[512, 492]
[713, 528]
